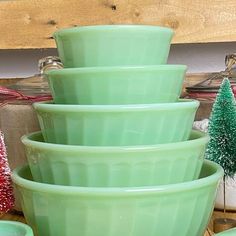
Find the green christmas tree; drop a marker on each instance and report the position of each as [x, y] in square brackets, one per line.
[222, 130]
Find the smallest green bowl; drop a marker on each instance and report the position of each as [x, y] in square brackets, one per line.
[117, 85]
[13, 228]
[90, 166]
[113, 45]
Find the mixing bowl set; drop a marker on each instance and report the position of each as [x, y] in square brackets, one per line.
[116, 154]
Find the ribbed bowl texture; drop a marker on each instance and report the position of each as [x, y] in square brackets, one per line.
[113, 45]
[168, 210]
[13, 228]
[115, 166]
[117, 85]
[116, 125]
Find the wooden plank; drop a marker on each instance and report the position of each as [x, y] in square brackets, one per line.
[220, 214]
[30, 23]
[9, 81]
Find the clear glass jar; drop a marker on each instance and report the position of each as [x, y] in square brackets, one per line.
[17, 116]
[37, 85]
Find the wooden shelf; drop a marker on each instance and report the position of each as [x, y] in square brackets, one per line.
[30, 23]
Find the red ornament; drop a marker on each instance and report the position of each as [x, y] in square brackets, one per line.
[6, 189]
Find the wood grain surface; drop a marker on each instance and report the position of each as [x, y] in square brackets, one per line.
[30, 23]
[14, 216]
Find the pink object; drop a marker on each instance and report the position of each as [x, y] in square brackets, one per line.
[7, 95]
[6, 189]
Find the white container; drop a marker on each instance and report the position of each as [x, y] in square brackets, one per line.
[230, 194]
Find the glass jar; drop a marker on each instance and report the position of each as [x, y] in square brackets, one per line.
[209, 83]
[37, 85]
[17, 116]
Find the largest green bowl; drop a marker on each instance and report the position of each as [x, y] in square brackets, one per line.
[113, 45]
[115, 125]
[168, 210]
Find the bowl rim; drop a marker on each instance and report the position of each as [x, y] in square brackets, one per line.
[98, 28]
[51, 107]
[201, 139]
[85, 70]
[212, 178]
[13, 224]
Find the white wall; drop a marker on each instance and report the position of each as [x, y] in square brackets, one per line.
[207, 57]
[198, 57]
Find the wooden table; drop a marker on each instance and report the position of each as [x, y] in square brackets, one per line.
[16, 216]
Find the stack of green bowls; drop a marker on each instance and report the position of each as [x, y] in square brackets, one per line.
[116, 154]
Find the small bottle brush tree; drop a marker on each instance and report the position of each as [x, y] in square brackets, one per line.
[222, 130]
[6, 190]
[222, 145]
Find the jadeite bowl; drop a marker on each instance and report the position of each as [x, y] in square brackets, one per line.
[116, 125]
[115, 166]
[230, 232]
[168, 210]
[117, 85]
[13, 228]
[113, 45]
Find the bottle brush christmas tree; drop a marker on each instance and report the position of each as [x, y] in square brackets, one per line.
[222, 130]
[222, 144]
[6, 190]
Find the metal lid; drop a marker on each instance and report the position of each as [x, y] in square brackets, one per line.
[49, 62]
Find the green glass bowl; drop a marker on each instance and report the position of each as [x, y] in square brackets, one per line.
[113, 45]
[230, 232]
[117, 85]
[13, 228]
[116, 125]
[168, 210]
[115, 166]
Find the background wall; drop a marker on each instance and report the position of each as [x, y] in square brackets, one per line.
[198, 57]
